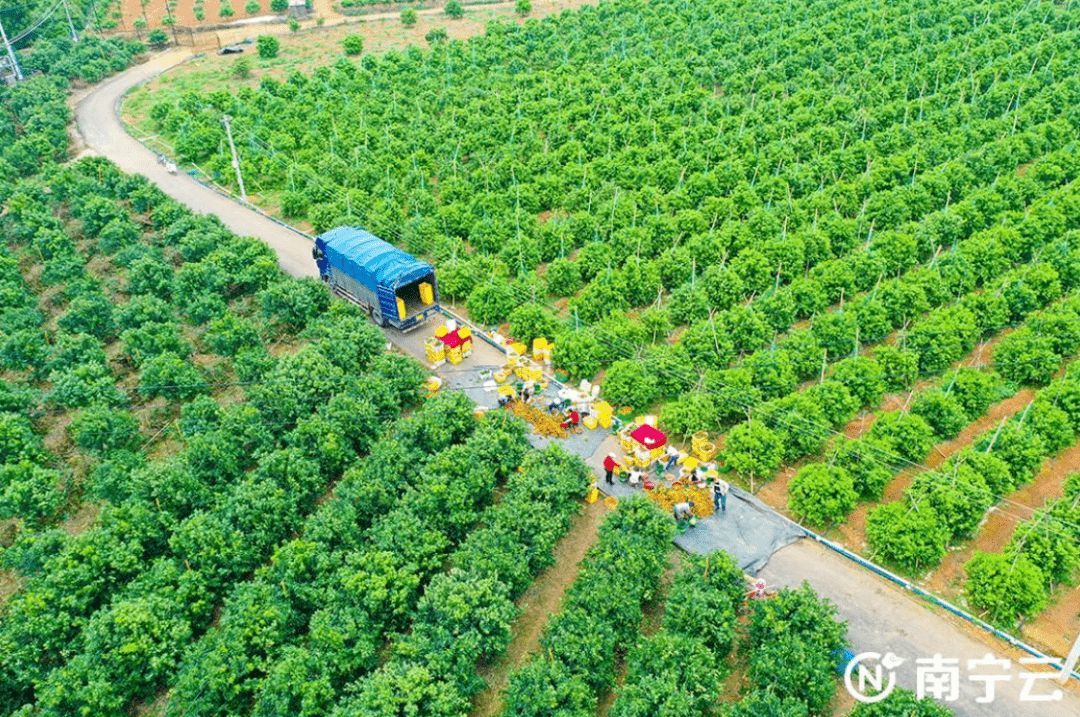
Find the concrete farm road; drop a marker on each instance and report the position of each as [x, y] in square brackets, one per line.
[99, 125]
[881, 616]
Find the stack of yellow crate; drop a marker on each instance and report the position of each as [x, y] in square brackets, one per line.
[702, 447]
[465, 334]
[541, 350]
[435, 351]
[603, 412]
[526, 370]
[454, 355]
[427, 294]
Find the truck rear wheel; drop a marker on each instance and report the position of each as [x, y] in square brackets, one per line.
[377, 317]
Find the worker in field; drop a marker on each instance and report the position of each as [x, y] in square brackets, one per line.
[609, 468]
[572, 421]
[684, 510]
[634, 477]
[720, 488]
[527, 391]
[673, 456]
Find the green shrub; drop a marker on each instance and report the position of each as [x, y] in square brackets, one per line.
[960, 498]
[454, 9]
[352, 44]
[943, 412]
[241, 69]
[530, 321]
[1008, 589]
[171, 377]
[911, 537]
[267, 46]
[101, 430]
[408, 17]
[629, 383]
[563, 277]
[868, 462]
[1042, 541]
[822, 494]
[490, 303]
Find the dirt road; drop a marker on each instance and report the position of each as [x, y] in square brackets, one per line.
[884, 618]
[103, 134]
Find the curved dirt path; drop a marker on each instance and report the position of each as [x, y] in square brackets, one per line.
[102, 133]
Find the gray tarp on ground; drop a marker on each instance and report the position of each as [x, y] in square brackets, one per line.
[749, 530]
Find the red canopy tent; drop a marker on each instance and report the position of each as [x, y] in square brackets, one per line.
[452, 339]
[649, 436]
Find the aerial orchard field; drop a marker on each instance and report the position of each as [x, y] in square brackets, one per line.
[762, 219]
[695, 178]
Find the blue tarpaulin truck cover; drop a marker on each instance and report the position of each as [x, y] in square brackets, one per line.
[370, 260]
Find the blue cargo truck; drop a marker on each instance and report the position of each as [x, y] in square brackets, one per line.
[396, 289]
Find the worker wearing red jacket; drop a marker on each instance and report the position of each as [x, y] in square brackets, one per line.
[609, 467]
[572, 421]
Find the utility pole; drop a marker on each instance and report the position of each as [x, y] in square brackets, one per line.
[172, 20]
[11, 54]
[235, 162]
[74, 37]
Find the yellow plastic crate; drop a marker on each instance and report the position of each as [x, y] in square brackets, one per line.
[427, 293]
[518, 348]
[590, 422]
[604, 419]
[689, 463]
[706, 452]
[401, 312]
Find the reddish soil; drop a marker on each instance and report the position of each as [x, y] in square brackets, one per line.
[774, 493]
[538, 603]
[184, 13]
[10, 582]
[1056, 627]
[853, 532]
[893, 402]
